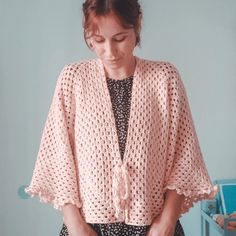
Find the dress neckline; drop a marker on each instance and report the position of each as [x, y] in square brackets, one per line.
[120, 80]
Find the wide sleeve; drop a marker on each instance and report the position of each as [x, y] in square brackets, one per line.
[55, 177]
[185, 168]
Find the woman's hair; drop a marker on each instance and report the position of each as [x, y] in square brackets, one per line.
[127, 11]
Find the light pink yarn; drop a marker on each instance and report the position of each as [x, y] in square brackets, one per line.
[79, 160]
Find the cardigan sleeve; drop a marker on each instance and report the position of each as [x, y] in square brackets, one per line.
[55, 177]
[185, 168]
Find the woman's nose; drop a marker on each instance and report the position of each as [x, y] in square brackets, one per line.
[110, 50]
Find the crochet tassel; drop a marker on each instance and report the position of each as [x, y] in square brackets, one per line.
[120, 188]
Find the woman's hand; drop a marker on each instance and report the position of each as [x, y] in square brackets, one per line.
[164, 225]
[161, 227]
[83, 229]
[75, 223]
[220, 219]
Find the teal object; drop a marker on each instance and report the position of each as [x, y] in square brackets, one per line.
[209, 206]
[208, 225]
[21, 192]
[228, 198]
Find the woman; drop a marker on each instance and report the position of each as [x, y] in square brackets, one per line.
[119, 154]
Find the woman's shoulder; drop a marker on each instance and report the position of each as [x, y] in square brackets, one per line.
[79, 66]
[158, 68]
[158, 64]
[74, 71]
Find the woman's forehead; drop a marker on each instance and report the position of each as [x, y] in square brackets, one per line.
[109, 25]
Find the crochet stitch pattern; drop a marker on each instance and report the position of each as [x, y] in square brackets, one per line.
[79, 160]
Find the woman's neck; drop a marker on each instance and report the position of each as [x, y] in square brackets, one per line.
[123, 72]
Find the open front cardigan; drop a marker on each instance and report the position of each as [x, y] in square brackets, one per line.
[79, 160]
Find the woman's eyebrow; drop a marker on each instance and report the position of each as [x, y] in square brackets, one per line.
[124, 32]
[120, 33]
[97, 35]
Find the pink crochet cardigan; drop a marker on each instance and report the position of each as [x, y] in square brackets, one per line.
[79, 160]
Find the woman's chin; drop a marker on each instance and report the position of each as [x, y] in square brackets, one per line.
[113, 64]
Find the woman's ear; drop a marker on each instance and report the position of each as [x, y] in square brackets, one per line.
[90, 44]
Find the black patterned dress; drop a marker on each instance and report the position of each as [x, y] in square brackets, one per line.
[120, 93]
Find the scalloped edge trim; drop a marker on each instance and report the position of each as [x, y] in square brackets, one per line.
[47, 198]
[192, 197]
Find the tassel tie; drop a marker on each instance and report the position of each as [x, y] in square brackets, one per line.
[120, 190]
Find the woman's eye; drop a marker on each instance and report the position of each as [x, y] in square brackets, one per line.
[98, 40]
[119, 39]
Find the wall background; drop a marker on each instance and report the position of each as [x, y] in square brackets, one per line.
[37, 38]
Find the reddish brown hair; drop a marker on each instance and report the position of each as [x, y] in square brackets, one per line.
[128, 13]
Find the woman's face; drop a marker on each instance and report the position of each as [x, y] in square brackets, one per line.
[113, 43]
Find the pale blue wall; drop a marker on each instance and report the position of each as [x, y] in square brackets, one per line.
[37, 38]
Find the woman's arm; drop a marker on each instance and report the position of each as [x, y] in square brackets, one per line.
[75, 223]
[164, 224]
[172, 206]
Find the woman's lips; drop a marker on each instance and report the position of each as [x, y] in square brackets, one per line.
[113, 61]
